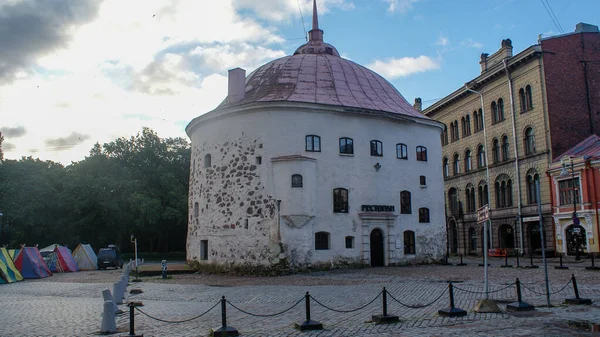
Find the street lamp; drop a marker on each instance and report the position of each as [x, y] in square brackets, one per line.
[564, 173]
[133, 239]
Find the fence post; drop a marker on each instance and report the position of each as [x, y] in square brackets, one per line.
[309, 324]
[132, 306]
[445, 263]
[451, 311]
[561, 265]
[225, 330]
[519, 305]
[592, 267]
[506, 265]
[461, 261]
[518, 253]
[576, 300]
[385, 318]
[531, 265]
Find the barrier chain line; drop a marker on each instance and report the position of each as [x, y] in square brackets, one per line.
[583, 259]
[551, 293]
[417, 306]
[346, 311]
[182, 321]
[482, 292]
[267, 315]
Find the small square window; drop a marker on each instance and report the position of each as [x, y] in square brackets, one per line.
[321, 241]
[349, 242]
[258, 160]
[296, 180]
[422, 180]
[424, 215]
[313, 143]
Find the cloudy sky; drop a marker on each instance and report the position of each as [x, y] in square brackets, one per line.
[76, 72]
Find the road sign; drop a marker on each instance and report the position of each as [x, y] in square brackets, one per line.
[483, 214]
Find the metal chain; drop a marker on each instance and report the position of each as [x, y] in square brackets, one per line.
[551, 293]
[417, 306]
[182, 321]
[481, 292]
[266, 315]
[575, 261]
[345, 311]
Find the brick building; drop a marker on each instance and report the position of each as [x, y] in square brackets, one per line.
[509, 123]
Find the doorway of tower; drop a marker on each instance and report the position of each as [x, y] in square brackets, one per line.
[376, 248]
[507, 237]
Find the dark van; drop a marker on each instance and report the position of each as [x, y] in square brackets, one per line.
[110, 257]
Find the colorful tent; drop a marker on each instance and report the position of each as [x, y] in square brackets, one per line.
[13, 253]
[61, 260]
[85, 257]
[8, 272]
[31, 264]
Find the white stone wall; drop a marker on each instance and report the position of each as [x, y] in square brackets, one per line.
[235, 188]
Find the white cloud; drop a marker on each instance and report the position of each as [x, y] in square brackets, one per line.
[469, 43]
[400, 6]
[401, 67]
[442, 41]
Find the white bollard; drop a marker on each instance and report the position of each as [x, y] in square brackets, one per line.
[109, 297]
[117, 294]
[109, 324]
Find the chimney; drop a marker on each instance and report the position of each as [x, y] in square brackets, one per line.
[585, 28]
[237, 85]
[418, 105]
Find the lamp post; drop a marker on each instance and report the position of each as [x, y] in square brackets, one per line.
[133, 239]
[565, 173]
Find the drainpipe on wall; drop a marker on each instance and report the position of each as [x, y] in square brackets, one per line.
[514, 130]
[595, 199]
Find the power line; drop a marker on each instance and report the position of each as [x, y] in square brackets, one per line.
[302, 17]
[553, 17]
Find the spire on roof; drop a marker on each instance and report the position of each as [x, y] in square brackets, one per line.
[315, 34]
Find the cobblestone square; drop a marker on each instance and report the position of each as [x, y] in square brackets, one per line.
[71, 304]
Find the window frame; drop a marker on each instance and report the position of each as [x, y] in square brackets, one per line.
[409, 242]
[297, 183]
[446, 167]
[422, 154]
[347, 147]
[505, 148]
[424, 215]
[340, 205]
[529, 141]
[405, 202]
[349, 240]
[322, 240]
[468, 161]
[456, 164]
[403, 149]
[313, 147]
[376, 147]
[567, 190]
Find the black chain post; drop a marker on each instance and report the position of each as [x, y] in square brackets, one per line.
[577, 300]
[531, 265]
[308, 324]
[519, 305]
[385, 318]
[561, 263]
[452, 311]
[132, 306]
[506, 265]
[461, 261]
[225, 330]
[593, 267]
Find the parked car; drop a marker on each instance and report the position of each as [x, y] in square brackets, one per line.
[110, 257]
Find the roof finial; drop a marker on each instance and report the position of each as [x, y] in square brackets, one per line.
[315, 34]
[315, 21]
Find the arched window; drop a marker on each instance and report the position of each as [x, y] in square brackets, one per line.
[470, 194]
[494, 113]
[346, 145]
[503, 191]
[196, 210]
[468, 124]
[476, 120]
[445, 135]
[207, 161]
[296, 180]
[505, 148]
[480, 156]
[456, 132]
[522, 100]
[405, 207]
[402, 151]
[455, 164]
[423, 215]
[421, 153]
[464, 126]
[452, 132]
[453, 200]
[529, 97]
[500, 109]
[313, 143]
[532, 177]
[340, 200]
[481, 120]
[446, 168]
[409, 242]
[468, 162]
[495, 151]
[321, 241]
[529, 141]
[483, 194]
[376, 148]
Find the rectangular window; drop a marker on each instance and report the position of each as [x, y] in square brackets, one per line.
[313, 143]
[340, 200]
[422, 180]
[203, 249]
[409, 242]
[421, 153]
[258, 160]
[401, 151]
[423, 215]
[568, 191]
[321, 241]
[376, 148]
[349, 242]
[405, 202]
[346, 145]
